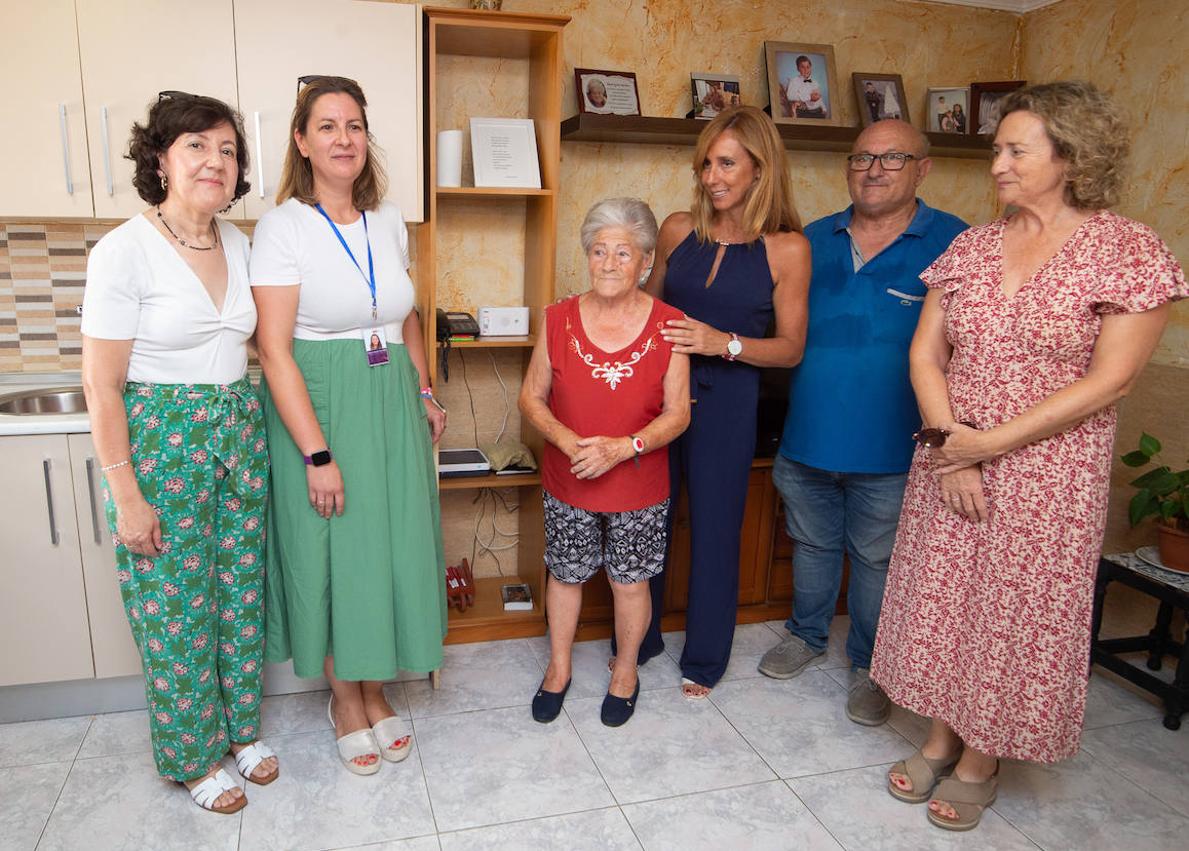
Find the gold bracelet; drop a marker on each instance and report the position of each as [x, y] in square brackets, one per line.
[111, 467]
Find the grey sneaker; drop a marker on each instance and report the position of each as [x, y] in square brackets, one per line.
[788, 658]
[867, 703]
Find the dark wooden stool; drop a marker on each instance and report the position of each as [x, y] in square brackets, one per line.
[1172, 590]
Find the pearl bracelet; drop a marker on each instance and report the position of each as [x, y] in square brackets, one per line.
[116, 466]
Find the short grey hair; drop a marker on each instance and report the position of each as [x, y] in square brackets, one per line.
[631, 214]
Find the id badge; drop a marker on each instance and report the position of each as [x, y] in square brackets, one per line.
[375, 345]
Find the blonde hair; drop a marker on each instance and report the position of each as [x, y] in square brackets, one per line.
[297, 175]
[1086, 131]
[769, 207]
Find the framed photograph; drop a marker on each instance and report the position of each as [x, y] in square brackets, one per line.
[880, 96]
[504, 151]
[802, 83]
[949, 110]
[984, 104]
[606, 92]
[713, 93]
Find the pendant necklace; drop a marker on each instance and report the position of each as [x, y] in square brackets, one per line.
[183, 243]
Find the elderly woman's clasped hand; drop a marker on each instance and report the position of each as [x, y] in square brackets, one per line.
[593, 456]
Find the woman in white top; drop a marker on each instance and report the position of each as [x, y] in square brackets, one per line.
[167, 314]
[356, 585]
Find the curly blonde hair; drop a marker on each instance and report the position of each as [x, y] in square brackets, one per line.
[1084, 126]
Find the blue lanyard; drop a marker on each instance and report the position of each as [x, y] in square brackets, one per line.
[370, 278]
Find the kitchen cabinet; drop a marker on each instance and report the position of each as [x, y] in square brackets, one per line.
[43, 165]
[44, 627]
[375, 44]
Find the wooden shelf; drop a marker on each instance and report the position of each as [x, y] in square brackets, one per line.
[489, 616]
[506, 35]
[518, 342]
[489, 480]
[473, 192]
[649, 130]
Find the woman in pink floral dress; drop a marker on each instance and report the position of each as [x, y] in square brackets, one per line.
[1034, 326]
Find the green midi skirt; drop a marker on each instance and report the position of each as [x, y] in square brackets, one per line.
[367, 587]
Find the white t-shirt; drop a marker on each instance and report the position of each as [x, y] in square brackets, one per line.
[138, 288]
[294, 244]
[801, 89]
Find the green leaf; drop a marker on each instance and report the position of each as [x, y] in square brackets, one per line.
[1168, 509]
[1165, 483]
[1135, 458]
[1142, 505]
[1148, 444]
[1152, 476]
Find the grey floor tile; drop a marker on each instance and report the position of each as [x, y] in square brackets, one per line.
[799, 726]
[1155, 759]
[594, 830]
[908, 724]
[479, 676]
[316, 803]
[1111, 700]
[303, 712]
[589, 664]
[120, 802]
[671, 746]
[500, 765]
[32, 742]
[117, 733]
[858, 811]
[1082, 804]
[752, 641]
[27, 795]
[758, 817]
[421, 843]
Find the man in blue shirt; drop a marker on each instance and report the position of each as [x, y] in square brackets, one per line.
[846, 448]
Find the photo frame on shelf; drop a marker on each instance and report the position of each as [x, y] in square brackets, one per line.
[879, 96]
[802, 83]
[948, 110]
[713, 93]
[984, 104]
[606, 92]
[504, 153]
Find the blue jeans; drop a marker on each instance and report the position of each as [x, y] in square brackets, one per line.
[826, 512]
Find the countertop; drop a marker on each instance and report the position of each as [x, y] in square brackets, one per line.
[18, 382]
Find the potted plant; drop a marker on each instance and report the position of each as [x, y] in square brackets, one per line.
[1164, 495]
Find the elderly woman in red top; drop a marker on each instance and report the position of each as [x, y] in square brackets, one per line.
[607, 392]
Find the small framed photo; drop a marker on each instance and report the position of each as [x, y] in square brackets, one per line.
[984, 104]
[949, 110]
[880, 96]
[504, 151]
[713, 93]
[802, 83]
[606, 92]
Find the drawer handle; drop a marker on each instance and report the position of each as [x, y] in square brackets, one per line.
[111, 190]
[49, 501]
[94, 506]
[65, 150]
[259, 156]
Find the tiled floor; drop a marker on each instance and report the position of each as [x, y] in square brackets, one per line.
[762, 764]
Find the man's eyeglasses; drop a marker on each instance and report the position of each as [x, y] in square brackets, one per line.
[891, 161]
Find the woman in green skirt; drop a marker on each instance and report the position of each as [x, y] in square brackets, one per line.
[355, 576]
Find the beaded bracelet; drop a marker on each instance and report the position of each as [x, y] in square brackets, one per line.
[425, 392]
[116, 466]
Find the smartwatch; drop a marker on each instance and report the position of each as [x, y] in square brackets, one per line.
[734, 347]
[319, 459]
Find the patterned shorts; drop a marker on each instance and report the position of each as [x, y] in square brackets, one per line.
[631, 544]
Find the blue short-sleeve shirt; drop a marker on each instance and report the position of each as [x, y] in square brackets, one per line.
[851, 405]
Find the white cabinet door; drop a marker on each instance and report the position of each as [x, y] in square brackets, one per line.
[114, 650]
[43, 151]
[376, 44]
[43, 609]
[131, 50]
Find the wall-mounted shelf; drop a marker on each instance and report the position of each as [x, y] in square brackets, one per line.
[648, 130]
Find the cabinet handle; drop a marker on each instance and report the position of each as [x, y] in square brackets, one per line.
[49, 501]
[91, 494]
[259, 155]
[65, 151]
[106, 152]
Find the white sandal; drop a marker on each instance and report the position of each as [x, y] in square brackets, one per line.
[395, 743]
[354, 745]
[208, 791]
[249, 759]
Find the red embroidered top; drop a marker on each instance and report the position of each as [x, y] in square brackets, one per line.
[614, 394]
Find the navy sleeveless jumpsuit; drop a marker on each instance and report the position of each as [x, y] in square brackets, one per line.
[713, 457]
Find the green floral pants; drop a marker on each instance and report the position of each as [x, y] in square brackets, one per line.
[196, 610]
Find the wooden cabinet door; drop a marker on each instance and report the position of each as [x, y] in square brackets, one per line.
[43, 154]
[375, 44]
[43, 610]
[114, 650]
[131, 50]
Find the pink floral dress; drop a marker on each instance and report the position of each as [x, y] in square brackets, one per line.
[986, 626]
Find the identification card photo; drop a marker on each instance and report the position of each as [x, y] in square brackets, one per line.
[375, 345]
[504, 151]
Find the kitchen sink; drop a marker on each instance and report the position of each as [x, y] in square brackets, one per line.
[59, 400]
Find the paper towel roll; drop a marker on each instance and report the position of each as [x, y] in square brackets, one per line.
[450, 158]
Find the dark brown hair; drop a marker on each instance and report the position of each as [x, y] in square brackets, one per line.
[297, 175]
[172, 115]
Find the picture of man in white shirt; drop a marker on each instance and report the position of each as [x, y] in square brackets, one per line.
[804, 95]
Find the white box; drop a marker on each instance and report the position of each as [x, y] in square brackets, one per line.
[503, 321]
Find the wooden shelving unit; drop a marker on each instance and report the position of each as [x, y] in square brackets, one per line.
[535, 40]
[648, 130]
